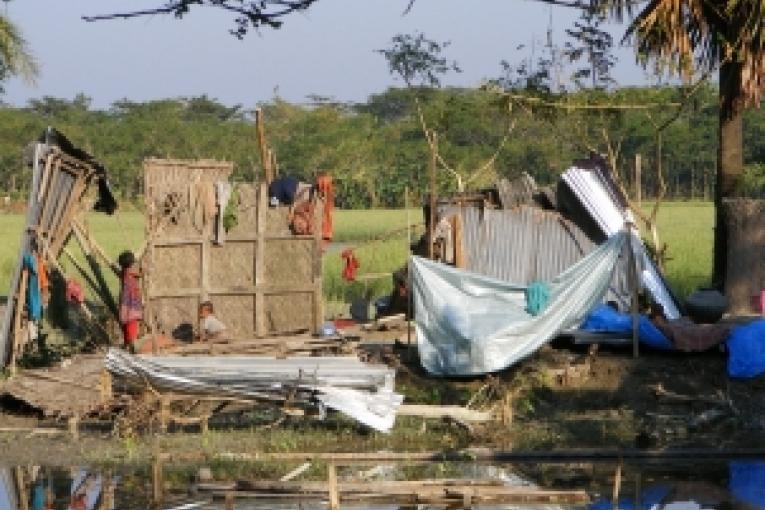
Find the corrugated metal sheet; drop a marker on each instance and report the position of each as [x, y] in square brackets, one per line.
[602, 203]
[526, 244]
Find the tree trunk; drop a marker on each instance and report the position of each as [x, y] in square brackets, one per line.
[745, 276]
[730, 160]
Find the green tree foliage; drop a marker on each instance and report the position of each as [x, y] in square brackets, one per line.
[376, 149]
[418, 60]
[593, 44]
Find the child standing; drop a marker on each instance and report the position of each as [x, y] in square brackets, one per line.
[131, 305]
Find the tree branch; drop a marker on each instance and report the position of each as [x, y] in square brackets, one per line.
[250, 13]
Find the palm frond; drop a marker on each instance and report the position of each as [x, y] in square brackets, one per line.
[15, 56]
[684, 36]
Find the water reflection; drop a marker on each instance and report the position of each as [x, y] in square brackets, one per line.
[699, 486]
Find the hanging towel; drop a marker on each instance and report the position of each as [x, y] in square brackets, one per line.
[537, 297]
[33, 297]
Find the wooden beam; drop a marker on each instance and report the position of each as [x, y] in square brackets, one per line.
[95, 247]
[95, 268]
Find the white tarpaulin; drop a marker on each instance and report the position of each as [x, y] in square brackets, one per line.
[468, 324]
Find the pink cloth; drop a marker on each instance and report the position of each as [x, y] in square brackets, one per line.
[131, 305]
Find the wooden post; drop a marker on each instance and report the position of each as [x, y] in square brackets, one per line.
[228, 501]
[638, 179]
[274, 163]
[157, 481]
[432, 218]
[74, 427]
[334, 496]
[408, 276]
[633, 282]
[270, 164]
[459, 251]
[265, 160]
[19, 306]
[260, 261]
[22, 487]
[617, 486]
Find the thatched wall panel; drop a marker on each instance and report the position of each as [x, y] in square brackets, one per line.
[175, 267]
[237, 312]
[289, 262]
[232, 265]
[288, 313]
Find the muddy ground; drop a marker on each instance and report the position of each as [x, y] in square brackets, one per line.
[563, 397]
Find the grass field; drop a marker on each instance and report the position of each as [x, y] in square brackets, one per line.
[685, 226]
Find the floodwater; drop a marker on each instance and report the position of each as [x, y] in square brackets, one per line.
[691, 485]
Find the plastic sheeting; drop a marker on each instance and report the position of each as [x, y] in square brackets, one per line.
[468, 324]
[604, 319]
[746, 350]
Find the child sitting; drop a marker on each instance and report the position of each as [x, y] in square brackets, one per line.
[210, 327]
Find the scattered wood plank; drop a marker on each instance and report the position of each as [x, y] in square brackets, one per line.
[480, 454]
[296, 472]
[415, 492]
[671, 396]
[454, 412]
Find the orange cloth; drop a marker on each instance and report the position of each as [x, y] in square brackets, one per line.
[327, 190]
[351, 265]
[42, 274]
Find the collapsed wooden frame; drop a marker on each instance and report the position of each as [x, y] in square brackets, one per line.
[58, 196]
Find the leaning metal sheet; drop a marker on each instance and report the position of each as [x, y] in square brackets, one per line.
[611, 218]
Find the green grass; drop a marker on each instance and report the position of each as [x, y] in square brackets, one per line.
[355, 225]
[686, 227]
[123, 231]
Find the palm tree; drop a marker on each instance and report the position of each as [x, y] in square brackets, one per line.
[15, 57]
[707, 35]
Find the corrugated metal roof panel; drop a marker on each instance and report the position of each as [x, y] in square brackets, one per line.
[526, 244]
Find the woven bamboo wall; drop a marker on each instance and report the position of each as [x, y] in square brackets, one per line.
[262, 281]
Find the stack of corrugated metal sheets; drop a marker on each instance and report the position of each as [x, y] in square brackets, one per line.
[360, 390]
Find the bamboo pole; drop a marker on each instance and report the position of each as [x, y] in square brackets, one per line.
[95, 268]
[638, 180]
[633, 283]
[432, 218]
[80, 228]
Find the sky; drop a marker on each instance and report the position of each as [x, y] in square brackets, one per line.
[329, 50]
